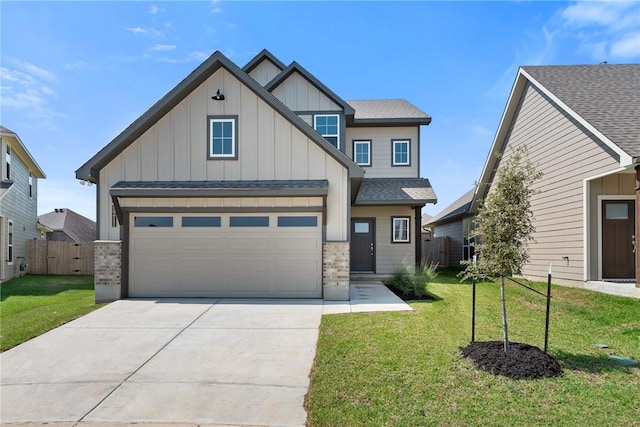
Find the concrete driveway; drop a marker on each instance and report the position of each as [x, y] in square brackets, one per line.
[178, 362]
[204, 362]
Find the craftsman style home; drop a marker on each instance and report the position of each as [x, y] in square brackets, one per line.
[580, 126]
[18, 204]
[257, 182]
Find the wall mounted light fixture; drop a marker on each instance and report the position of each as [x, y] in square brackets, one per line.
[218, 96]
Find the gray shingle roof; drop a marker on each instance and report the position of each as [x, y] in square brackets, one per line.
[457, 208]
[400, 191]
[605, 95]
[387, 109]
[74, 225]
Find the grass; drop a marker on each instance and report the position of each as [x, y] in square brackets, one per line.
[34, 304]
[405, 368]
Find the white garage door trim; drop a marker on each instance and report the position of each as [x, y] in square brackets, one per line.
[256, 255]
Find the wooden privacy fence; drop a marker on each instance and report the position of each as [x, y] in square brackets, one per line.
[62, 258]
[436, 251]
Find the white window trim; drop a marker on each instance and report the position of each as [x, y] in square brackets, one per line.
[393, 152]
[393, 229]
[234, 143]
[337, 135]
[30, 185]
[362, 141]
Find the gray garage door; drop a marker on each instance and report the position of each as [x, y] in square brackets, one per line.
[270, 255]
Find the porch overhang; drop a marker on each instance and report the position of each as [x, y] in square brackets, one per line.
[395, 191]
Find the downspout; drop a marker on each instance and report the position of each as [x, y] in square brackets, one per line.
[418, 233]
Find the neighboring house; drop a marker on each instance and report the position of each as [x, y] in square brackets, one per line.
[66, 225]
[581, 127]
[18, 204]
[257, 182]
[427, 231]
[456, 222]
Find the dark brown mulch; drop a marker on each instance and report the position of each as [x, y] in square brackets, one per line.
[522, 361]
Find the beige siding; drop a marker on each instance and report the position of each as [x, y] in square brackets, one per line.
[566, 154]
[269, 147]
[299, 94]
[389, 256]
[265, 72]
[381, 148]
[454, 231]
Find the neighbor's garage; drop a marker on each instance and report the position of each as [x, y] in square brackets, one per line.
[262, 255]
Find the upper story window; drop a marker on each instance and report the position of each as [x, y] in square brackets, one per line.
[30, 185]
[223, 138]
[328, 125]
[401, 152]
[362, 152]
[8, 173]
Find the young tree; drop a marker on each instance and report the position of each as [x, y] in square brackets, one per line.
[504, 224]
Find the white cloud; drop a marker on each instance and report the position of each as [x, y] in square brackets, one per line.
[627, 47]
[607, 30]
[581, 14]
[137, 30]
[26, 88]
[154, 10]
[163, 47]
[144, 31]
[198, 56]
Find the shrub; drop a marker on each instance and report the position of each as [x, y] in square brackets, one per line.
[401, 281]
[425, 274]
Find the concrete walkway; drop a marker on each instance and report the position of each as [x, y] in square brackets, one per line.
[175, 362]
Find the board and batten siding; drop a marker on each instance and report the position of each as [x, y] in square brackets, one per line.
[566, 153]
[454, 231]
[269, 148]
[299, 94]
[16, 206]
[265, 72]
[390, 256]
[381, 150]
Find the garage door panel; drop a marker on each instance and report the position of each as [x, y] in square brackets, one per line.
[225, 261]
[296, 243]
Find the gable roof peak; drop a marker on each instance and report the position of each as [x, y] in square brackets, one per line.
[263, 55]
[296, 67]
[90, 170]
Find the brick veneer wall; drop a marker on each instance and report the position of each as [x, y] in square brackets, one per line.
[107, 270]
[335, 270]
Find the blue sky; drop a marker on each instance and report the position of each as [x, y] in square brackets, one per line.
[75, 74]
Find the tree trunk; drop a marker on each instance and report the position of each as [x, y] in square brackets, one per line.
[504, 315]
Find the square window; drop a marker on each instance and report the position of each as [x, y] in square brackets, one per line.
[400, 231]
[223, 139]
[328, 125]
[362, 152]
[400, 155]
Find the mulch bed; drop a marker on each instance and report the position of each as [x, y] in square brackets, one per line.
[522, 361]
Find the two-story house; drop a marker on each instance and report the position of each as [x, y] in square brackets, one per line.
[257, 182]
[18, 203]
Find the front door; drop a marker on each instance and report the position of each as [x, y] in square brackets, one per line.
[618, 239]
[363, 245]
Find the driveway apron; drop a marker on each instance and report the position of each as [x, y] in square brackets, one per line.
[196, 361]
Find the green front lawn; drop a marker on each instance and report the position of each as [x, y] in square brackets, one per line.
[34, 304]
[405, 368]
